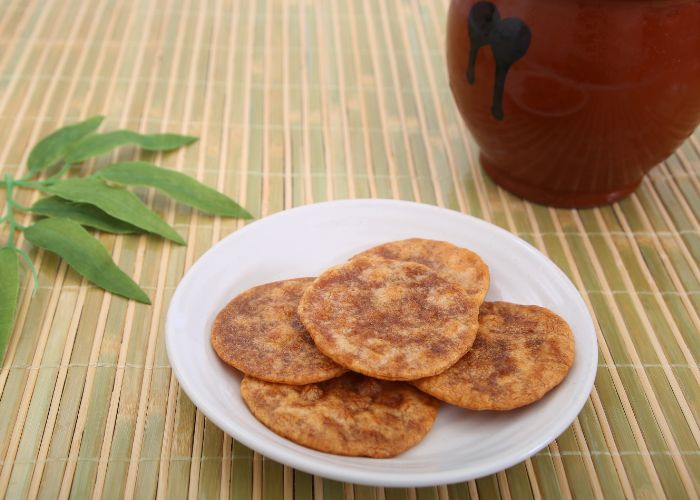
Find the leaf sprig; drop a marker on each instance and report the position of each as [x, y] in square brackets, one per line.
[98, 201]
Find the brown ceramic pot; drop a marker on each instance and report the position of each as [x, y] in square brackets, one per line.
[573, 101]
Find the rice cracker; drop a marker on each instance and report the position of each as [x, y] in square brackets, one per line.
[389, 319]
[350, 415]
[520, 353]
[456, 264]
[259, 333]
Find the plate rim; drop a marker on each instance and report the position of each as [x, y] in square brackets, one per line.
[388, 479]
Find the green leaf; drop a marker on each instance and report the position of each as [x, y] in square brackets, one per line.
[9, 291]
[83, 214]
[97, 144]
[180, 186]
[118, 203]
[85, 254]
[54, 146]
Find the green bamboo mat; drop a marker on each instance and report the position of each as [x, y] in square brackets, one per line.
[301, 101]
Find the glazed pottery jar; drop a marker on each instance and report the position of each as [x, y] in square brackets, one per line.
[573, 101]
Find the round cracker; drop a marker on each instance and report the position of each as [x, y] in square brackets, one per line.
[389, 319]
[456, 264]
[350, 415]
[260, 334]
[520, 353]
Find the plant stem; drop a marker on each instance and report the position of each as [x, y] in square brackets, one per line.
[30, 184]
[27, 176]
[20, 207]
[52, 180]
[25, 180]
[9, 217]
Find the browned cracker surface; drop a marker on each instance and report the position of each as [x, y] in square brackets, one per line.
[350, 415]
[260, 334]
[520, 353]
[453, 263]
[389, 319]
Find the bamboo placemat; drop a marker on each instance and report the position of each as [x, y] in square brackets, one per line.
[295, 102]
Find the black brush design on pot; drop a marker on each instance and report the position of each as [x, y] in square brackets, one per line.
[509, 40]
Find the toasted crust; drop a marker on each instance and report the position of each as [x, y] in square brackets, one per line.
[260, 334]
[456, 264]
[389, 319]
[520, 353]
[350, 415]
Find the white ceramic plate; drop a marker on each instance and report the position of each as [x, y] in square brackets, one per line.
[304, 241]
